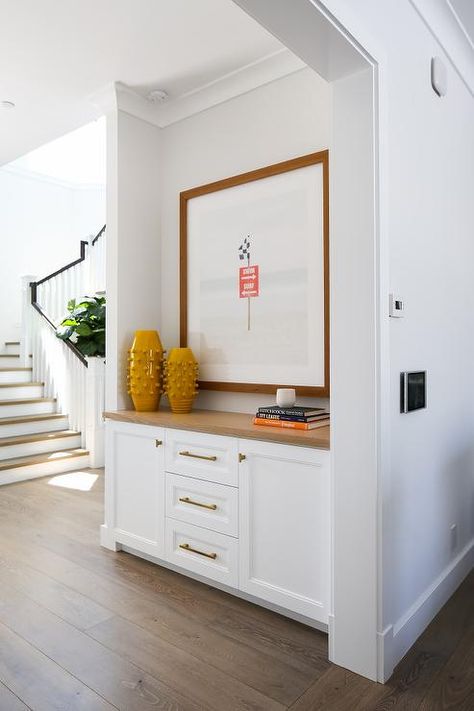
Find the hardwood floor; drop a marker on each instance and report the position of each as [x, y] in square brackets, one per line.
[84, 628]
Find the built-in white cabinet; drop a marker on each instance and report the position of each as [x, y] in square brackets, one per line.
[247, 514]
[284, 526]
[135, 487]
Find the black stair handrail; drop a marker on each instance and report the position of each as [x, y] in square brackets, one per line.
[34, 292]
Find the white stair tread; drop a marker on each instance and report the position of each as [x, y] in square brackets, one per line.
[40, 437]
[21, 385]
[28, 401]
[30, 418]
[42, 458]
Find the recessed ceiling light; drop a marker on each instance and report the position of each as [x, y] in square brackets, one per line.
[7, 104]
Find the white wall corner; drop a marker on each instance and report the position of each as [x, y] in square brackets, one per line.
[105, 98]
[414, 621]
[385, 665]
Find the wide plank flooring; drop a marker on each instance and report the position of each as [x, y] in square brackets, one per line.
[85, 628]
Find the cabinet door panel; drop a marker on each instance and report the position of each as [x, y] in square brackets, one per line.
[284, 526]
[136, 464]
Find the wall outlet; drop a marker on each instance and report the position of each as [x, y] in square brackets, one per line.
[453, 531]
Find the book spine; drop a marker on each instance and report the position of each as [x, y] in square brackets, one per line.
[283, 423]
[290, 418]
[293, 413]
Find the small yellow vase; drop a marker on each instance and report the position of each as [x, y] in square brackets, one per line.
[181, 372]
[145, 371]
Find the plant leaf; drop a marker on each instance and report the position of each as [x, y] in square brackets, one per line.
[64, 332]
[83, 329]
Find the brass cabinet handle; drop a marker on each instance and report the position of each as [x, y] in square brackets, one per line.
[213, 458]
[241, 457]
[187, 547]
[187, 500]
[158, 442]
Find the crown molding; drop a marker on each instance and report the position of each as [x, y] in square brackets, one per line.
[119, 96]
[444, 24]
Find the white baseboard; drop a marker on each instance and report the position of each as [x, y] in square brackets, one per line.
[331, 637]
[395, 641]
[107, 539]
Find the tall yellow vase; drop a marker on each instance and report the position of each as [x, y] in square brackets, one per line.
[145, 371]
[181, 372]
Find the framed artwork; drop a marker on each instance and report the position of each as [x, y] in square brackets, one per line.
[254, 278]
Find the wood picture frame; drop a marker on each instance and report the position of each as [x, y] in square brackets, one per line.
[321, 158]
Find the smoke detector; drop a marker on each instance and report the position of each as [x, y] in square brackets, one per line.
[157, 96]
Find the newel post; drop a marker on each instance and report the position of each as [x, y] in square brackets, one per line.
[25, 332]
[95, 403]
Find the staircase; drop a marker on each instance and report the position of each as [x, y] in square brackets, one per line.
[35, 440]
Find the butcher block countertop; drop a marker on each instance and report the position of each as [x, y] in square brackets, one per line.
[229, 424]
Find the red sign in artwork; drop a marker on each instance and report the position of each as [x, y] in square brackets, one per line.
[248, 282]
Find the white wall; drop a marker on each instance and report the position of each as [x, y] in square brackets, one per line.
[353, 374]
[427, 164]
[424, 251]
[88, 210]
[41, 224]
[133, 242]
[281, 120]
[431, 256]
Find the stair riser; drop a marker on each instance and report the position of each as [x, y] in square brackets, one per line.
[15, 376]
[10, 476]
[23, 428]
[12, 350]
[11, 362]
[21, 392]
[29, 448]
[29, 408]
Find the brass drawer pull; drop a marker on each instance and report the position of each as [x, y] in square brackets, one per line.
[158, 442]
[187, 547]
[213, 458]
[187, 500]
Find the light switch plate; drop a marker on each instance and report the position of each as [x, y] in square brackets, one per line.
[396, 306]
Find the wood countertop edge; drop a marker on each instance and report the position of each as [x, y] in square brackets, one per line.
[213, 422]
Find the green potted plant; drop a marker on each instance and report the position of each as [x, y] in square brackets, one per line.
[85, 325]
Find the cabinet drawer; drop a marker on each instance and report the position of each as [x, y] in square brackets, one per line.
[203, 552]
[204, 456]
[202, 503]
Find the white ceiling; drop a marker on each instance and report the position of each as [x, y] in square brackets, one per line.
[54, 54]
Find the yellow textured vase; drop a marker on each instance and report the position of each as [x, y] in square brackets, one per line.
[181, 372]
[145, 371]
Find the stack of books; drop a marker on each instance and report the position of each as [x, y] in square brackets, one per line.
[297, 418]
